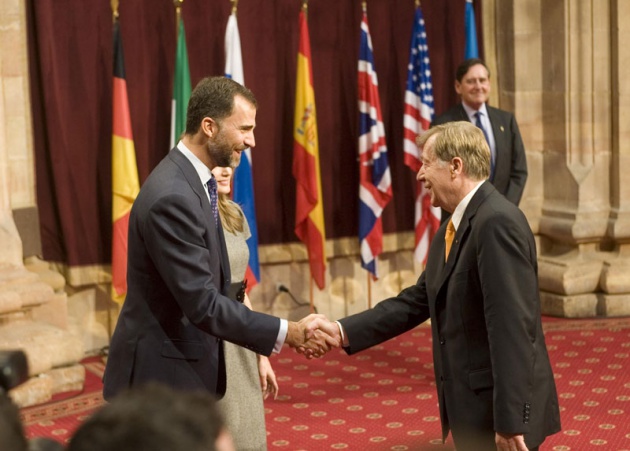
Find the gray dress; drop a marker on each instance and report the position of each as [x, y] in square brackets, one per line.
[242, 405]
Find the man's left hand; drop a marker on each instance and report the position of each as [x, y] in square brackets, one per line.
[510, 442]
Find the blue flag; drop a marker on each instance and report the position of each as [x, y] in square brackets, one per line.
[472, 50]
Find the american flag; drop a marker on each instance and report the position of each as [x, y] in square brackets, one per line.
[375, 189]
[417, 118]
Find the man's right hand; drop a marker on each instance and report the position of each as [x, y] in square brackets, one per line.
[321, 325]
[309, 336]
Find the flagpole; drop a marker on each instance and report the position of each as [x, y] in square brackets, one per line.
[369, 290]
[114, 4]
[311, 300]
[234, 6]
[178, 12]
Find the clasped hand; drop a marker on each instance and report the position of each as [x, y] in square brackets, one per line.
[313, 336]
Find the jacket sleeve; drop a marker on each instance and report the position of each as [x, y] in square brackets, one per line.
[518, 170]
[388, 319]
[176, 237]
[511, 310]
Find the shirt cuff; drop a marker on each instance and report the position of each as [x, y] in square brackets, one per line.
[344, 340]
[282, 335]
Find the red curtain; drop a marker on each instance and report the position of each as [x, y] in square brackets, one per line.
[70, 57]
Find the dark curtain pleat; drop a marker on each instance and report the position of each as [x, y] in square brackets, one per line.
[70, 59]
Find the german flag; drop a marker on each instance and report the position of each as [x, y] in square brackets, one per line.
[125, 183]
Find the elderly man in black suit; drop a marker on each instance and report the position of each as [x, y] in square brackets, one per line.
[176, 313]
[480, 289]
[508, 168]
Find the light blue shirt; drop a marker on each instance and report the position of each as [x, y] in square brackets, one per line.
[485, 122]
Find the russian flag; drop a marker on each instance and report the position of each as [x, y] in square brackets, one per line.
[243, 188]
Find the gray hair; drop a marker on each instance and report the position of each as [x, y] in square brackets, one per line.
[464, 140]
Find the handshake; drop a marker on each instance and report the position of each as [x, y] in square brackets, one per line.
[314, 335]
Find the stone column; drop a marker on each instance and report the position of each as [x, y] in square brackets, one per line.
[614, 298]
[561, 68]
[577, 106]
[32, 314]
[519, 85]
[10, 242]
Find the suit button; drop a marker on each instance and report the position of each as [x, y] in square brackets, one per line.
[442, 340]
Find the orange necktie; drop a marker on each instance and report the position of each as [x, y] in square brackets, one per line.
[448, 238]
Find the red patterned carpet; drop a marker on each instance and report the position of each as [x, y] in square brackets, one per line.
[384, 398]
[59, 418]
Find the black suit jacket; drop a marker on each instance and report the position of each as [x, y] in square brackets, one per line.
[491, 364]
[510, 173]
[176, 312]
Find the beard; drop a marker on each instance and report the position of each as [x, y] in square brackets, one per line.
[221, 151]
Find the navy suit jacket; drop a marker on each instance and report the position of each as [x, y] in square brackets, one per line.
[491, 365]
[176, 313]
[510, 173]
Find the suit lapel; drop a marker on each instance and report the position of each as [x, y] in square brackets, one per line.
[225, 262]
[217, 232]
[461, 112]
[501, 140]
[463, 231]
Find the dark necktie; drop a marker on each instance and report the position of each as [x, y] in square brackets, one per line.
[448, 238]
[214, 199]
[480, 125]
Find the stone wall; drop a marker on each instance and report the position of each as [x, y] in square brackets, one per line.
[562, 66]
[33, 312]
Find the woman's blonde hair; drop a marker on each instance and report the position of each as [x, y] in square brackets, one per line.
[231, 215]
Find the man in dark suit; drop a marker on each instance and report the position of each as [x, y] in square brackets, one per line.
[176, 312]
[508, 172]
[493, 376]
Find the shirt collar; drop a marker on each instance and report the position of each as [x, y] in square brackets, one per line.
[204, 172]
[458, 214]
[471, 112]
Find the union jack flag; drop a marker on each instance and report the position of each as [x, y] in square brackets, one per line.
[417, 118]
[375, 189]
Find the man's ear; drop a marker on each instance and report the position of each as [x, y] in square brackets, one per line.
[209, 127]
[456, 165]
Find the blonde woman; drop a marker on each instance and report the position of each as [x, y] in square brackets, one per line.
[242, 405]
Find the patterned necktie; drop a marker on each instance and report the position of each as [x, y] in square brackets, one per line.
[448, 238]
[478, 123]
[214, 199]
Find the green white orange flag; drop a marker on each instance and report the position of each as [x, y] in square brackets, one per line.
[181, 86]
[125, 183]
[309, 208]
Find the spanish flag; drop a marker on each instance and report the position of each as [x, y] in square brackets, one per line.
[309, 208]
[125, 183]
